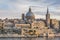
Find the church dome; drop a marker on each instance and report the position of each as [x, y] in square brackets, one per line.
[30, 14]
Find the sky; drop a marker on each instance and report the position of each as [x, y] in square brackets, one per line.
[14, 8]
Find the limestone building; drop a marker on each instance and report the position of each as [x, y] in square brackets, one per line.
[38, 24]
[54, 24]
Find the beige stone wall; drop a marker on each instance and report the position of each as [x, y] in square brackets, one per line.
[1, 24]
[55, 23]
[22, 25]
[39, 24]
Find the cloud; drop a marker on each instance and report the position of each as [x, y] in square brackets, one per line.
[10, 8]
[44, 17]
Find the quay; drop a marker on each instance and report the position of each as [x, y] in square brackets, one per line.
[15, 35]
[29, 36]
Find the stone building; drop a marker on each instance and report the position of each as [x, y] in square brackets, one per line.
[38, 24]
[22, 25]
[1, 25]
[54, 23]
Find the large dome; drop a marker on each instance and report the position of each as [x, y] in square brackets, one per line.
[30, 14]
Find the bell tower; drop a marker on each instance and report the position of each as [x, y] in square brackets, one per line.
[48, 19]
[23, 16]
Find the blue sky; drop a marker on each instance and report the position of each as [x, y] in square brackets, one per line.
[14, 8]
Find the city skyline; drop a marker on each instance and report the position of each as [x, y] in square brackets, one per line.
[14, 8]
[29, 18]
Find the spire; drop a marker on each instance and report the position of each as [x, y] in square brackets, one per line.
[47, 10]
[29, 9]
